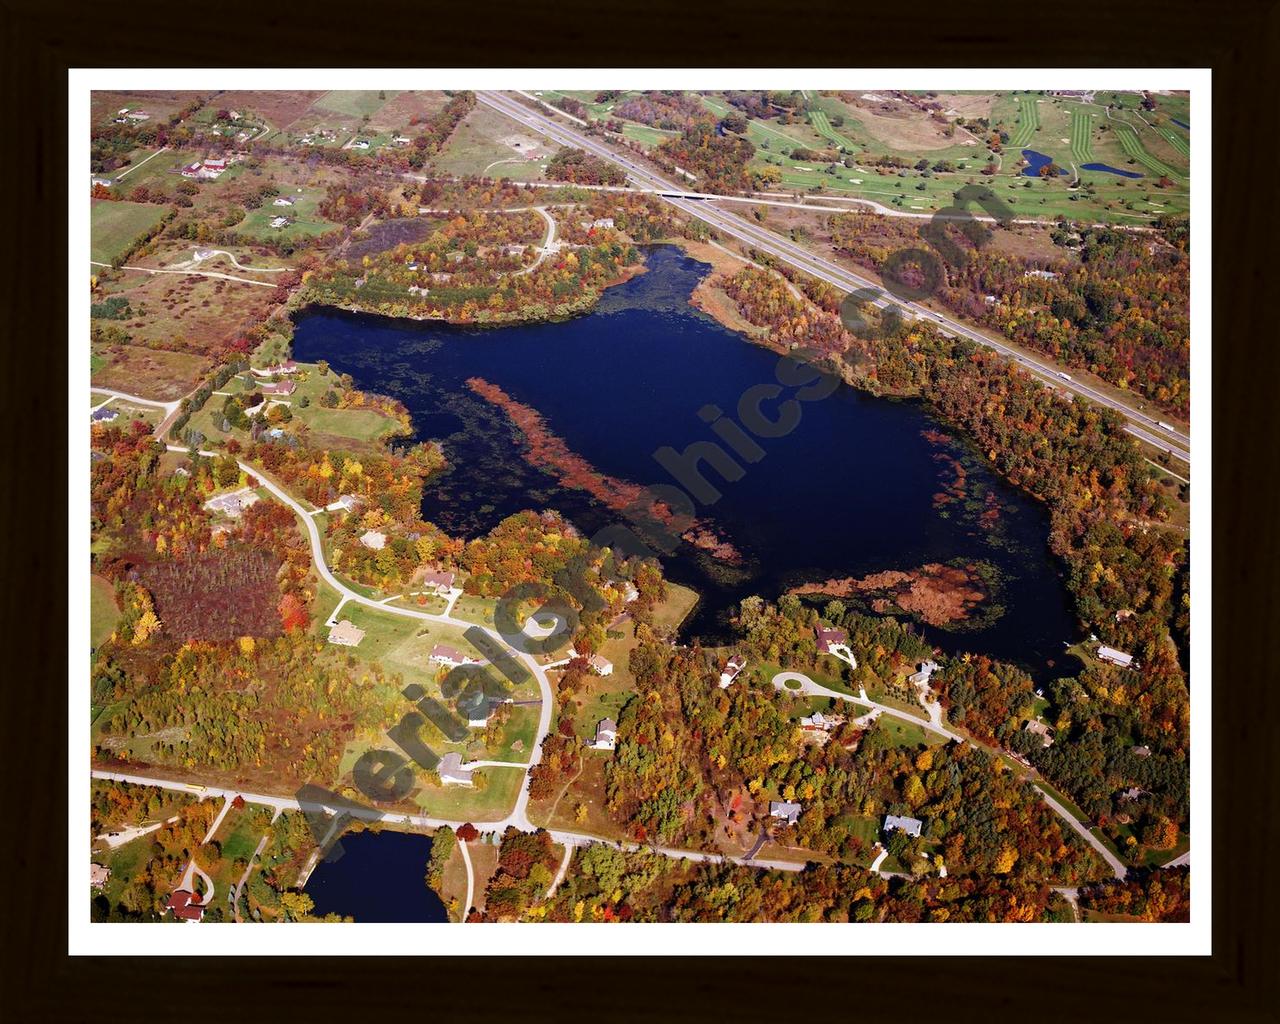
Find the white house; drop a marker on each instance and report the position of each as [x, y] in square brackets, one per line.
[600, 666]
[451, 771]
[911, 826]
[785, 810]
[283, 201]
[606, 734]
[927, 669]
[374, 540]
[443, 654]
[734, 666]
[279, 222]
[438, 582]
[1115, 657]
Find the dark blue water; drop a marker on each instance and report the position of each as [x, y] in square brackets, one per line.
[380, 877]
[1180, 124]
[1034, 162]
[1108, 169]
[849, 492]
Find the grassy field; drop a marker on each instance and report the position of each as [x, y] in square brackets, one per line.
[114, 225]
[304, 217]
[476, 147]
[1028, 122]
[491, 803]
[354, 102]
[330, 426]
[103, 611]
[150, 373]
[160, 170]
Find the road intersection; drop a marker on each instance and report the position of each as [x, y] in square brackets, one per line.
[1140, 425]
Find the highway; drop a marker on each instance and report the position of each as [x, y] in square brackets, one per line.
[1145, 428]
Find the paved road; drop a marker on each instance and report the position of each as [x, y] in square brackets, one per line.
[1139, 424]
[519, 814]
[189, 273]
[810, 688]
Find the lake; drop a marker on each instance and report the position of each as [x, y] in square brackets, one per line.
[1108, 169]
[379, 878]
[1034, 162]
[861, 486]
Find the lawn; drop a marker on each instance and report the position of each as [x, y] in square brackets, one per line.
[467, 803]
[476, 148]
[103, 611]
[898, 733]
[114, 226]
[354, 102]
[304, 216]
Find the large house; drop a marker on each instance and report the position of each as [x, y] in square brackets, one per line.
[186, 906]
[283, 387]
[451, 771]
[785, 810]
[1041, 730]
[234, 503]
[828, 638]
[606, 734]
[911, 826]
[374, 540]
[820, 722]
[1115, 657]
[437, 582]
[735, 665]
[443, 654]
[345, 633]
[479, 718]
[601, 666]
[288, 366]
[98, 875]
[104, 415]
[927, 669]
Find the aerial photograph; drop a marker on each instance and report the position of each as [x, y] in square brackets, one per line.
[511, 506]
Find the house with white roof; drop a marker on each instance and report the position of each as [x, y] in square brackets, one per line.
[606, 734]
[443, 654]
[785, 810]
[1115, 657]
[731, 670]
[911, 826]
[601, 666]
[451, 771]
[374, 540]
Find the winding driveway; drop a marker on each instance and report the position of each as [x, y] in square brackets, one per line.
[809, 688]
[519, 814]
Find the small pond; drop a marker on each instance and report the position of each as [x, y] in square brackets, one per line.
[1108, 169]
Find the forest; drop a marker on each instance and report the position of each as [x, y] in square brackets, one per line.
[1116, 303]
[1107, 523]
